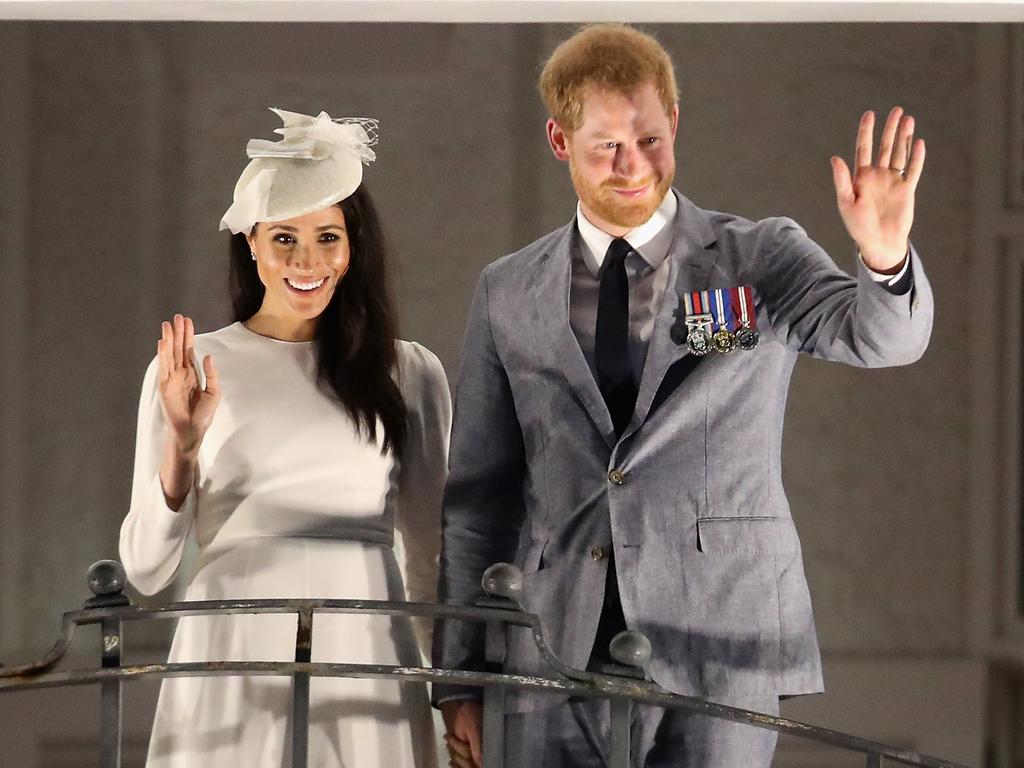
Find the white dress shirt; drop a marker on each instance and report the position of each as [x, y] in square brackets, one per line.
[647, 269]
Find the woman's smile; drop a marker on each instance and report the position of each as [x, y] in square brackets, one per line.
[305, 287]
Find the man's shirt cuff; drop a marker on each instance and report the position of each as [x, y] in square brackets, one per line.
[890, 280]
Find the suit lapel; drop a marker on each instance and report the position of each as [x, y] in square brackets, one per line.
[552, 299]
[693, 256]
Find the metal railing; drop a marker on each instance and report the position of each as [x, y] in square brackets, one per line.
[624, 685]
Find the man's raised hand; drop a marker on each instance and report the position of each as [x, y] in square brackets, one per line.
[876, 202]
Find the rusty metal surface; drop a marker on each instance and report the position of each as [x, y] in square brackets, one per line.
[646, 693]
[564, 680]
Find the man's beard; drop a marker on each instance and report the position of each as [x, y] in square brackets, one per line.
[612, 207]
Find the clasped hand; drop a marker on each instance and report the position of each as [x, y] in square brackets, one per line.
[463, 723]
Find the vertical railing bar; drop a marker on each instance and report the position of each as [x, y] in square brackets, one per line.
[300, 690]
[621, 717]
[111, 700]
[494, 698]
[874, 760]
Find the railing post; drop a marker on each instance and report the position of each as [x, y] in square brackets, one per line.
[622, 715]
[111, 706]
[503, 584]
[631, 650]
[494, 699]
[300, 690]
[106, 579]
[874, 760]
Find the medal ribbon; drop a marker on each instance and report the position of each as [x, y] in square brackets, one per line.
[743, 304]
[721, 310]
[697, 307]
[700, 303]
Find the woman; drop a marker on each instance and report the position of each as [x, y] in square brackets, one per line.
[310, 436]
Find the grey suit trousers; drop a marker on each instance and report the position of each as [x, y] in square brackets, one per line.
[576, 735]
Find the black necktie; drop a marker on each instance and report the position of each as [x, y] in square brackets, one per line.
[611, 344]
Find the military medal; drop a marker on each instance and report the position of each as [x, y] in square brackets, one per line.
[698, 322]
[699, 341]
[747, 336]
[723, 338]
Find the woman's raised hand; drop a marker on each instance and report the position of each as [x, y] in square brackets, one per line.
[188, 408]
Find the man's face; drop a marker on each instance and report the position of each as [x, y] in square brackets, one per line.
[621, 156]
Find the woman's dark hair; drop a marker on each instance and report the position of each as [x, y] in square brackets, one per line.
[355, 335]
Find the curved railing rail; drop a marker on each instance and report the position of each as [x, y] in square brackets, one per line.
[624, 685]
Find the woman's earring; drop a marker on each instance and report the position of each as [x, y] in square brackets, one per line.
[253, 254]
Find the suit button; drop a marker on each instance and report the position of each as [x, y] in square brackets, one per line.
[597, 553]
[616, 477]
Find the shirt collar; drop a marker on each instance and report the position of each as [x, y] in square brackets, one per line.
[651, 239]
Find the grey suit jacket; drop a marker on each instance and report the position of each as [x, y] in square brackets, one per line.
[708, 560]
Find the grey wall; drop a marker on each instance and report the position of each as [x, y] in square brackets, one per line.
[121, 144]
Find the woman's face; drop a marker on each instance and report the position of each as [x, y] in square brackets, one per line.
[300, 262]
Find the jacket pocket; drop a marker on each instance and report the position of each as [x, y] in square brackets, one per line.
[747, 536]
[531, 558]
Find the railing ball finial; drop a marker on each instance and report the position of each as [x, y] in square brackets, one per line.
[106, 577]
[630, 648]
[503, 580]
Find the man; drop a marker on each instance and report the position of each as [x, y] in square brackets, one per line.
[619, 412]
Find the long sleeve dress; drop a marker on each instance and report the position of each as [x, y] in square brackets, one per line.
[290, 501]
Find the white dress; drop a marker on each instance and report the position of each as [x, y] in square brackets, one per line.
[289, 502]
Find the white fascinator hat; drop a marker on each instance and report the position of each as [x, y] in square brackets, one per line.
[318, 162]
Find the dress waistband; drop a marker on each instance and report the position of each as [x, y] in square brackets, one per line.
[338, 534]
